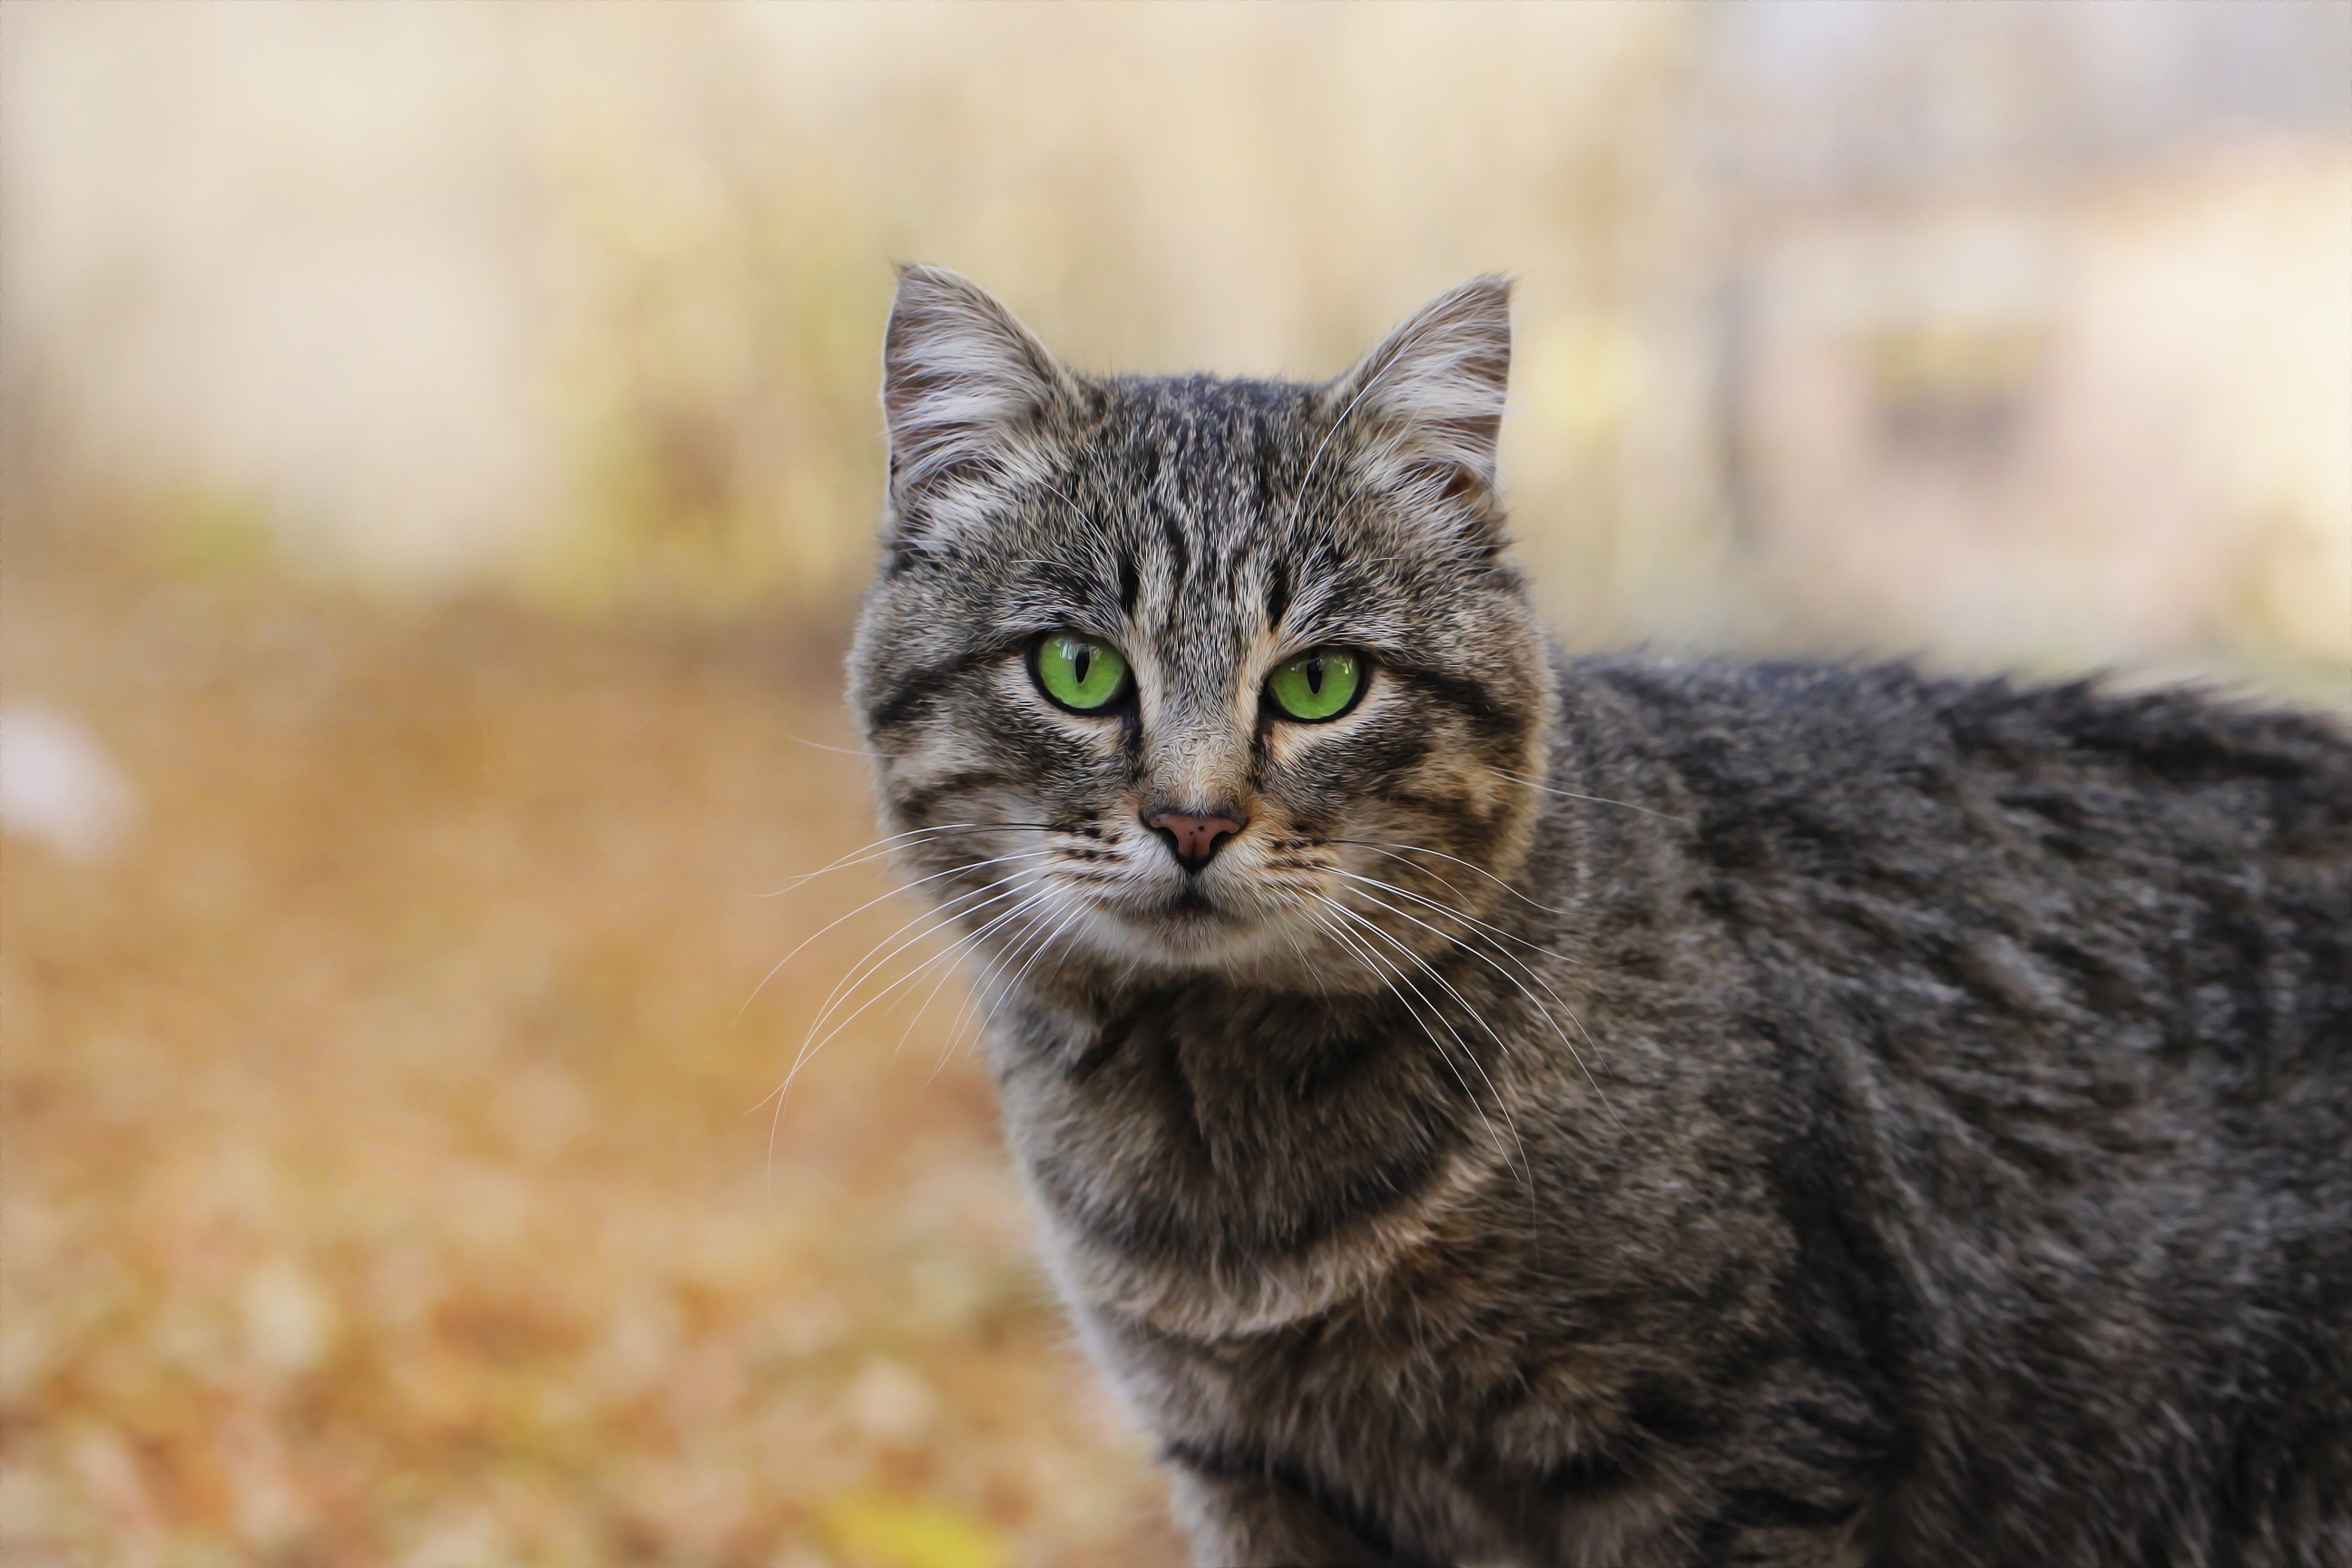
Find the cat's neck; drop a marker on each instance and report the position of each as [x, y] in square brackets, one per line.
[1218, 1161]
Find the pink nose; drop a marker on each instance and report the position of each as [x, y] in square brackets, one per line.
[1194, 839]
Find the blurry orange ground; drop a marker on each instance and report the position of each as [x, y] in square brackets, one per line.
[379, 1186]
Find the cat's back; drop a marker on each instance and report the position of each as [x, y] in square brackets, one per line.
[1888, 780]
[1787, 749]
[2059, 868]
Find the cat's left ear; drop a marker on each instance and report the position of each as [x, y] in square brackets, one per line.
[1422, 413]
[967, 392]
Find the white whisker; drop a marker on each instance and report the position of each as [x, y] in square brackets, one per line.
[840, 751]
[1571, 795]
[1479, 954]
[883, 847]
[1397, 851]
[1051, 937]
[985, 980]
[809, 1047]
[829, 925]
[1527, 1170]
[1391, 977]
[942, 917]
[1466, 917]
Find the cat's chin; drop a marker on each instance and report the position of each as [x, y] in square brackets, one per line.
[1185, 929]
[1189, 935]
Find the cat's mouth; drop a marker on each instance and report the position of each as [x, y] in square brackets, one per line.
[1187, 914]
[1187, 924]
[1190, 903]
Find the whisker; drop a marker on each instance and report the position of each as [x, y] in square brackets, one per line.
[1480, 953]
[961, 944]
[1072, 918]
[946, 973]
[1527, 1166]
[1076, 509]
[1390, 977]
[1305, 963]
[911, 976]
[1392, 851]
[1062, 958]
[964, 945]
[843, 751]
[882, 848]
[940, 917]
[955, 1026]
[991, 966]
[1571, 795]
[1405, 948]
[809, 1048]
[1462, 915]
[1484, 932]
[879, 847]
[984, 981]
[893, 892]
[1527, 1176]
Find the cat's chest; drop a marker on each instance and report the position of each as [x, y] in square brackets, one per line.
[1416, 1414]
[1215, 1167]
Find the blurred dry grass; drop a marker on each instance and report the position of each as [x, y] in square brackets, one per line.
[2017, 334]
[585, 300]
[379, 1186]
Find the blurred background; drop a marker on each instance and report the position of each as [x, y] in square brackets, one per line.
[439, 451]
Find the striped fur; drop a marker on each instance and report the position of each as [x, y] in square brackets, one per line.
[1607, 1111]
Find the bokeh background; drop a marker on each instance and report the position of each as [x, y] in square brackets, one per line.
[440, 456]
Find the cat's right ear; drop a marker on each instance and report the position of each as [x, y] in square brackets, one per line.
[965, 389]
[1424, 411]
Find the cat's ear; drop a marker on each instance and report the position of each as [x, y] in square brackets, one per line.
[964, 389]
[1422, 413]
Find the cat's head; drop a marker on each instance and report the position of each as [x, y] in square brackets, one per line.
[1166, 675]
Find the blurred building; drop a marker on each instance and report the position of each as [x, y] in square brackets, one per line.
[2032, 324]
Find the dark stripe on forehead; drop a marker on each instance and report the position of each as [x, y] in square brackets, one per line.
[1076, 582]
[1130, 582]
[1179, 548]
[1266, 456]
[1277, 587]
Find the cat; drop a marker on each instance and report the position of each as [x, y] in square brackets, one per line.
[1491, 1107]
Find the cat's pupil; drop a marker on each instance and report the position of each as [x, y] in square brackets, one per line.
[1314, 676]
[1081, 657]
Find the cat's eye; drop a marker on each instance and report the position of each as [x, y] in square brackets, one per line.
[1081, 673]
[1317, 686]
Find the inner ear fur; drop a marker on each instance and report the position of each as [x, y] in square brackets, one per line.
[1422, 413]
[965, 388]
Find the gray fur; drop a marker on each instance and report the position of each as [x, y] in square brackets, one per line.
[1746, 1112]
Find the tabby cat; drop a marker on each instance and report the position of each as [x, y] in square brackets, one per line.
[1490, 1107]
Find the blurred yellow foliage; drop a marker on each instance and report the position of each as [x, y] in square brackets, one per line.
[871, 1530]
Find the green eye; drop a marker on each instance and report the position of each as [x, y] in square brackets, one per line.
[1318, 685]
[1078, 672]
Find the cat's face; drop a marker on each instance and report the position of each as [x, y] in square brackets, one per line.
[1171, 675]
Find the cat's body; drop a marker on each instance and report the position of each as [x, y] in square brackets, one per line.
[1608, 1111]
